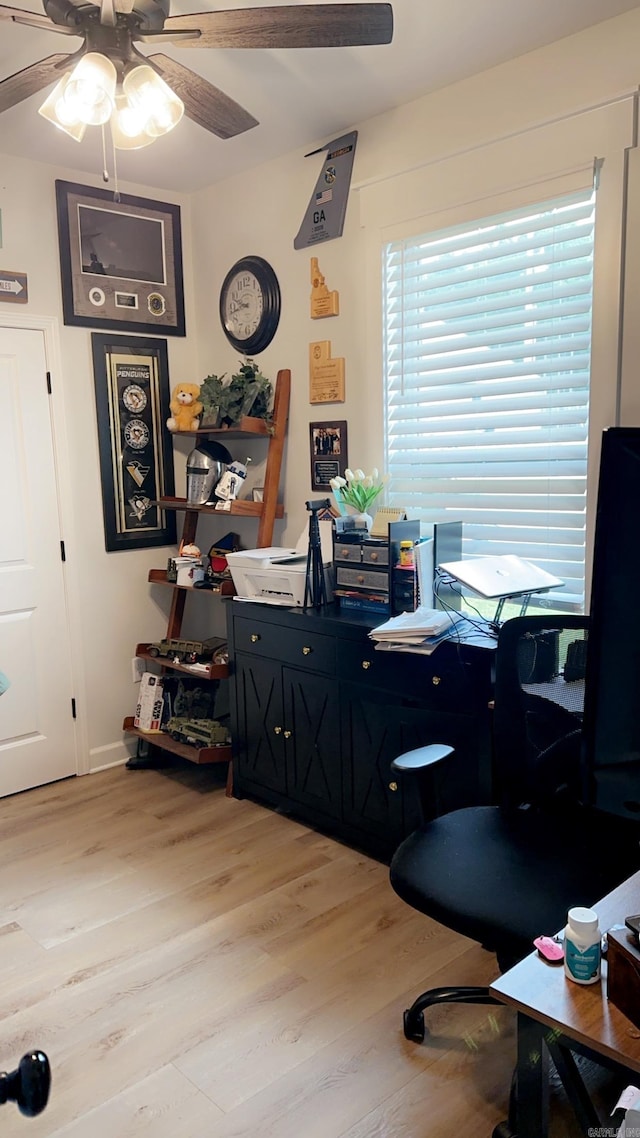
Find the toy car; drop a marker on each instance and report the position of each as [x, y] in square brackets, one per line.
[181, 651]
[197, 732]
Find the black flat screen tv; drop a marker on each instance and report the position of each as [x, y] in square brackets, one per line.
[612, 691]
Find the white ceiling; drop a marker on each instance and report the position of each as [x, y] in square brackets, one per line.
[300, 97]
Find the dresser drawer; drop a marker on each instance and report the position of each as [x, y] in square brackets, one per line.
[348, 553]
[376, 554]
[291, 646]
[369, 580]
[440, 682]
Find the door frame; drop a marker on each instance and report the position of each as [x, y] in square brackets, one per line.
[49, 326]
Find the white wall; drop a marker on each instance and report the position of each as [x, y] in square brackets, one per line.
[529, 125]
[112, 608]
[260, 212]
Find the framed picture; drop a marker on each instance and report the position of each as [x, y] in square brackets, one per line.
[131, 379]
[120, 261]
[328, 444]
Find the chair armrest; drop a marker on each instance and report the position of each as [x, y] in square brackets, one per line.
[421, 758]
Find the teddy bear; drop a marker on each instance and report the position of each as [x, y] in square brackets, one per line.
[185, 407]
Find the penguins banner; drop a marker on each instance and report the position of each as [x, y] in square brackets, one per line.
[324, 218]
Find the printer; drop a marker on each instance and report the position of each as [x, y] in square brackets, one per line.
[276, 575]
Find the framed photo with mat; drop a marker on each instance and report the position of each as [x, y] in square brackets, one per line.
[120, 261]
[131, 377]
[328, 445]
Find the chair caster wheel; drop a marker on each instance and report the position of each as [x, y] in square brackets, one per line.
[414, 1028]
[503, 1130]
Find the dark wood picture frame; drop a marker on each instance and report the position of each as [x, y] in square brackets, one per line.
[120, 261]
[328, 448]
[131, 377]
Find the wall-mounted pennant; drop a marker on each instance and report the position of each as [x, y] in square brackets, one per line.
[326, 211]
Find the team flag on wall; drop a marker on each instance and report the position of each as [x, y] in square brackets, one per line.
[324, 218]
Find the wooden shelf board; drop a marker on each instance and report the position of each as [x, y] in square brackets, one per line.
[213, 672]
[242, 507]
[166, 743]
[159, 577]
[247, 426]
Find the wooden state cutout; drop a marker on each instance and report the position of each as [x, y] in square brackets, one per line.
[324, 301]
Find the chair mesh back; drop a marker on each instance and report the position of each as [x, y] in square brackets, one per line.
[539, 700]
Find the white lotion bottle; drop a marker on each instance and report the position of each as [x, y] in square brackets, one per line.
[582, 946]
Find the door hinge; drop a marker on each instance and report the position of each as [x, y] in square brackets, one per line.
[73, 707]
[49, 382]
[63, 552]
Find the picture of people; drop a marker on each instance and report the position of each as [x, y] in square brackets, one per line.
[328, 442]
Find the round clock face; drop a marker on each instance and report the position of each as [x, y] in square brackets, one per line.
[250, 305]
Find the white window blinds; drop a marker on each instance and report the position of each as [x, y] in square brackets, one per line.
[487, 344]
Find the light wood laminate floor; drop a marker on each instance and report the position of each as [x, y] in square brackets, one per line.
[199, 967]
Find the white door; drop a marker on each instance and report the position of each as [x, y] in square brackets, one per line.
[37, 738]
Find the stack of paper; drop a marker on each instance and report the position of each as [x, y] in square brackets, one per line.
[419, 631]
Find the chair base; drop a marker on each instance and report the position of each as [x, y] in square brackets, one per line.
[414, 1025]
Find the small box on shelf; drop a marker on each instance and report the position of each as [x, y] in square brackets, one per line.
[148, 716]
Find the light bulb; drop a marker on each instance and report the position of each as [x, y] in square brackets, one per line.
[62, 114]
[128, 126]
[148, 92]
[90, 92]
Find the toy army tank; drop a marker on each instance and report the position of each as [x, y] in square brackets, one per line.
[197, 732]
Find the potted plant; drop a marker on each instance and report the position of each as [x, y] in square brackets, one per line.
[211, 398]
[248, 392]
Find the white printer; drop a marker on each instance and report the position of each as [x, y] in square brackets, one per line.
[277, 575]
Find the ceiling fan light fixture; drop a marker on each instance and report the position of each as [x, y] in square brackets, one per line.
[128, 126]
[148, 93]
[91, 90]
[61, 114]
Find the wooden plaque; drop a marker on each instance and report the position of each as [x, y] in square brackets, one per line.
[324, 301]
[326, 375]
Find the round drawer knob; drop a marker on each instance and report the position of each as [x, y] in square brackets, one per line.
[307, 651]
[360, 579]
[366, 664]
[344, 552]
[393, 786]
[435, 680]
[374, 556]
[254, 637]
[277, 730]
[287, 734]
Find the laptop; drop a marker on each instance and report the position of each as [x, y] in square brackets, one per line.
[495, 577]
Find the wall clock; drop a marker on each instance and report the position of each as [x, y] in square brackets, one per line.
[250, 305]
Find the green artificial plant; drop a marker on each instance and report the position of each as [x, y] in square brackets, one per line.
[248, 392]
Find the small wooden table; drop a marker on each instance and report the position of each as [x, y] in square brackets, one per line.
[558, 1017]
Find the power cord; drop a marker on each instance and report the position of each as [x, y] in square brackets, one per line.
[483, 625]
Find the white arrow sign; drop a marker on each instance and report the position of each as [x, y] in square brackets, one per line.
[13, 286]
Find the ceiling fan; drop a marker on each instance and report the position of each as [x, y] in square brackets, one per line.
[110, 30]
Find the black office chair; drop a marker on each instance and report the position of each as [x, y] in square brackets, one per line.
[28, 1085]
[507, 873]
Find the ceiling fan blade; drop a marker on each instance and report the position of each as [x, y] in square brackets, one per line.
[26, 82]
[204, 103]
[291, 25]
[33, 20]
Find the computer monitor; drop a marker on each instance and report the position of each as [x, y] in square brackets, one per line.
[612, 692]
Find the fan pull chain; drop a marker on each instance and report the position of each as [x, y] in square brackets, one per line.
[116, 191]
[105, 172]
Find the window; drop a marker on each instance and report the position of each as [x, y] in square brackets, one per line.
[487, 332]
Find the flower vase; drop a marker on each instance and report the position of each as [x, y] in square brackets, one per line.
[362, 518]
